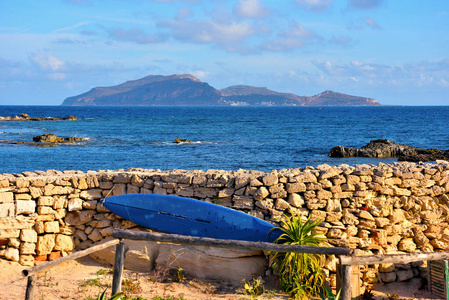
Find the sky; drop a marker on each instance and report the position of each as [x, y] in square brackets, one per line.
[396, 52]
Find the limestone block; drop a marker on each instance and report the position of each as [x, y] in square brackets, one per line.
[122, 178]
[106, 185]
[50, 190]
[141, 255]
[323, 194]
[314, 186]
[107, 231]
[28, 235]
[39, 226]
[296, 187]
[59, 202]
[281, 205]
[45, 201]
[45, 244]
[382, 222]
[371, 276]
[51, 227]
[203, 192]
[404, 275]
[243, 202]
[102, 209]
[212, 263]
[26, 260]
[22, 196]
[386, 268]
[91, 194]
[267, 203]
[241, 181]
[295, 200]
[24, 207]
[78, 218]
[67, 230]
[27, 248]
[12, 254]
[334, 233]
[89, 230]
[7, 210]
[367, 224]
[313, 204]
[75, 204]
[19, 222]
[261, 193]
[189, 192]
[397, 216]
[90, 204]
[64, 243]
[4, 183]
[388, 277]
[132, 189]
[157, 190]
[45, 210]
[14, 242]
[331, 263]
[227, 192]
[366, 215]
[95, 235]
[81, 235]
[333, 205]
[439, 244]
[270, 179]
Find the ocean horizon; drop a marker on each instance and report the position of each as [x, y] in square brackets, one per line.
[225, 138]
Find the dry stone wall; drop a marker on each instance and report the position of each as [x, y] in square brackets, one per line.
[388, 208]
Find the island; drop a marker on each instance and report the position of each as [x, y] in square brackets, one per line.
[187, 90]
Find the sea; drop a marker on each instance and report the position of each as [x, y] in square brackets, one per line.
[224, 138]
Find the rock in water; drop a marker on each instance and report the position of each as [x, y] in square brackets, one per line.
[386, 148]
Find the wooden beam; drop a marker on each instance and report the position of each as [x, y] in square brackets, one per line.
[72, 256]
[31, 287]
[346, 282]
[118, 267]
[235, 244]
[393, 258]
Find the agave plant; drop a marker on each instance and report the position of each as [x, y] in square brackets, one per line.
[102, 296]
[300, 273]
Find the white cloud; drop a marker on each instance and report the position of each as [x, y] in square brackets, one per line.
[252, 9]
[315, 5]
[296, 36]
[208, 31]
[47, 62]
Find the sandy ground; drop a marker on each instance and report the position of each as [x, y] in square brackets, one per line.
[82, 279]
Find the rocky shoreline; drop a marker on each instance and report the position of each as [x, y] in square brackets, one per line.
[26, 117]
[385, 148]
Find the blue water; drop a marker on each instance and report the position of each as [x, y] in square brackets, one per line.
[226, 138]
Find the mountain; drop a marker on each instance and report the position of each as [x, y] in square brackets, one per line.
[153, 90]
[187, 90]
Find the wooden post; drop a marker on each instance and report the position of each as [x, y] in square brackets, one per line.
[346, 278]
[31, 287]
[118, 267]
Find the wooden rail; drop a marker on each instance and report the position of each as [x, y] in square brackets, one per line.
[235, 244]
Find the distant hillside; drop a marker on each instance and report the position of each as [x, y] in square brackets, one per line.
[187, 90]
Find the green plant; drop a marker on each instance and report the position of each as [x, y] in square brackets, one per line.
[179, 275]
[92, 282]
[393, 296]
[329, 295]
[300, 273]
[102, 296]
[254, 288]
[130, 286]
